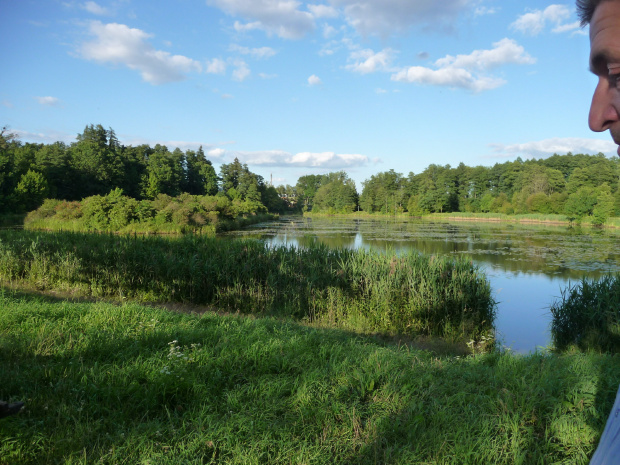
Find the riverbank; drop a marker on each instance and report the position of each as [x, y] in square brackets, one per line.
[552, 220]
[105, 383]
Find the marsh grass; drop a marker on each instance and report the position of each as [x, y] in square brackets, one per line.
[126, 384]
[362, 290]
[587, 316]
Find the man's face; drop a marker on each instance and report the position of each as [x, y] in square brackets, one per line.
[605, 64]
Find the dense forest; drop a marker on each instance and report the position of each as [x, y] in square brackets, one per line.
[574, 185]
[96, 164]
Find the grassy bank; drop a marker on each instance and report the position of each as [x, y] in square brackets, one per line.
[361, 290]
[490, 217]
[130, 384]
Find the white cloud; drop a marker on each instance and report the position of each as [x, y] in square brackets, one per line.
[447, 77]
[239, 27]
[468, 71]
[366, 61]
[7, 104]
[323, 11]
[280, 158]
[575, 27]
[119, 44]
[95, 9]
[242, 72]
[267, 76]
[329, 31]
[561, 146]
[483, 10]
[534, 22]
[314, 80]
[260, 52]
[280, 17]
[384, 17]
[226, 96]
[47, 138]
[216, 66]
[216, 153]
[504, 51]
[48, 101]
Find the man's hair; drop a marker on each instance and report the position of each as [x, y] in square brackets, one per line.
[585, 9]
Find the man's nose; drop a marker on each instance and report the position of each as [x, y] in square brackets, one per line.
[603, 112]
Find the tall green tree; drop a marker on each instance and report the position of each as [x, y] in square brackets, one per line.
[164, 173]
[97, 162]
[336, 196]
[384, 192]
[31, 190]
[239, 182]
[200, 175]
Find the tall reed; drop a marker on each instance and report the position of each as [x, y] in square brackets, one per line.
[362, 290]
[588, 316]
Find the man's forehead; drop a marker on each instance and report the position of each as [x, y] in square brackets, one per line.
[606, 18]
[605, 35]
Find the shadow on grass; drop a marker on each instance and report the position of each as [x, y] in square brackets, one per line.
[519, 410]
[266, 391]
[12, 221]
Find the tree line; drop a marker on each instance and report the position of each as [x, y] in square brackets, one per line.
[97, 164]
[575, 185]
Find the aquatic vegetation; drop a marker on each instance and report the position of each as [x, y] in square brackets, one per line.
[588, 316]
[361, 290]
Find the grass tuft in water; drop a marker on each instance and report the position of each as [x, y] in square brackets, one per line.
[588, 316]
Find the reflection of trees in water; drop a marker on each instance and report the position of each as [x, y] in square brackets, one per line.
[343, 240]
[558, 251]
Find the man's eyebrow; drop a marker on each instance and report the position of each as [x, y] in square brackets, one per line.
[598, 62]
[602, 60]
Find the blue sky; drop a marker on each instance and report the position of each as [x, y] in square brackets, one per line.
[293, 87]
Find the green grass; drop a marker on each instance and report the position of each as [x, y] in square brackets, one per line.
[588, 316]
[129, 384]
[361, 290]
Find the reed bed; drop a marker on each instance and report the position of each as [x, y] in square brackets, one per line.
[588, 316]
[129, 384]
[363, 290]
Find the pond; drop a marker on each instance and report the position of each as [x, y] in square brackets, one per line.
[528, 265]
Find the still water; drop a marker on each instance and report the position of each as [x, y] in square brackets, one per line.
[528, 265]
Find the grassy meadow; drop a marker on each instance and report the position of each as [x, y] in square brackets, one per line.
[124, 384]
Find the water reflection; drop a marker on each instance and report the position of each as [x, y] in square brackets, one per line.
[528, 265]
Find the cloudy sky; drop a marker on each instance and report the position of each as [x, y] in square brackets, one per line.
[293, 87]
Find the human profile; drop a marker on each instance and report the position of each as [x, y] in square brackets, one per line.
[603, 16]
